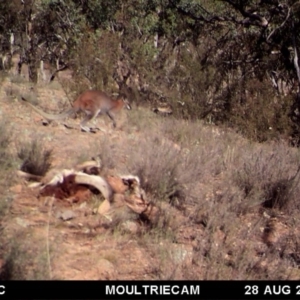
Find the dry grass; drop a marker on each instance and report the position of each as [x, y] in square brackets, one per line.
[35, 159]
[257, 179]
[25, 260]
[18, 79]
[5, 144]
[156, 163]
[7, 163]
[268, 175]
[12, 92]
[174, 156]
[141, 119]
[229, 182]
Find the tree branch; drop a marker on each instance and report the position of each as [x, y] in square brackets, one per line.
[296, 64]
[281, 25]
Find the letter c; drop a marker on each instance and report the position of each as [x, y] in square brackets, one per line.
[2, 289]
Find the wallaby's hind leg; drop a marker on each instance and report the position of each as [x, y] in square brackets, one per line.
[111, 116]
[88, 118]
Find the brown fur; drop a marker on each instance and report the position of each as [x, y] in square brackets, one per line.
[92, 103]
[116, 184]
[123, 191]
[68, 189]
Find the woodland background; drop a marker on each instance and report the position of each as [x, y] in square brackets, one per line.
[232, 62]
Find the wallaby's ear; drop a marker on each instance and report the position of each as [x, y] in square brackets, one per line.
[130, 182]
[125, 181]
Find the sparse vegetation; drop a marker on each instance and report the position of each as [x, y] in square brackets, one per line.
[5, 143]
[25, 261]
[35, 158]
[7, 163]
[268, 175]
[12, 92]
[217, 193]
[157, 165]
[17, 79]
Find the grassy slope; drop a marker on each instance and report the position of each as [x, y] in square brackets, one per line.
[229, 206]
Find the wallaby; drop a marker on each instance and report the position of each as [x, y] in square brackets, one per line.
[93, 103]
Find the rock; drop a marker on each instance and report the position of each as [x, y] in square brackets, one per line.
[66, 215]
[45, 122]
[22, 222]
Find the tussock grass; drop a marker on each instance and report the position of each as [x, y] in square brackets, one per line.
[35, 158]
[107, 151]
[25, 260]
[229, 181]
[12, 91]
[5, 144]
[174, 156]
[18, 79]
[141, 119]
[268, 175]
[7, 163]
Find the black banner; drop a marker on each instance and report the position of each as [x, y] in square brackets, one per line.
[150, 290]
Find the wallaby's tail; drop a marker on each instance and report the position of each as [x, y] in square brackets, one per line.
[49, 116]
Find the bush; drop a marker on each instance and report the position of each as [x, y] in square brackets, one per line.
[268, 175]
[6, 163]
[5, 143]
[35, 159]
